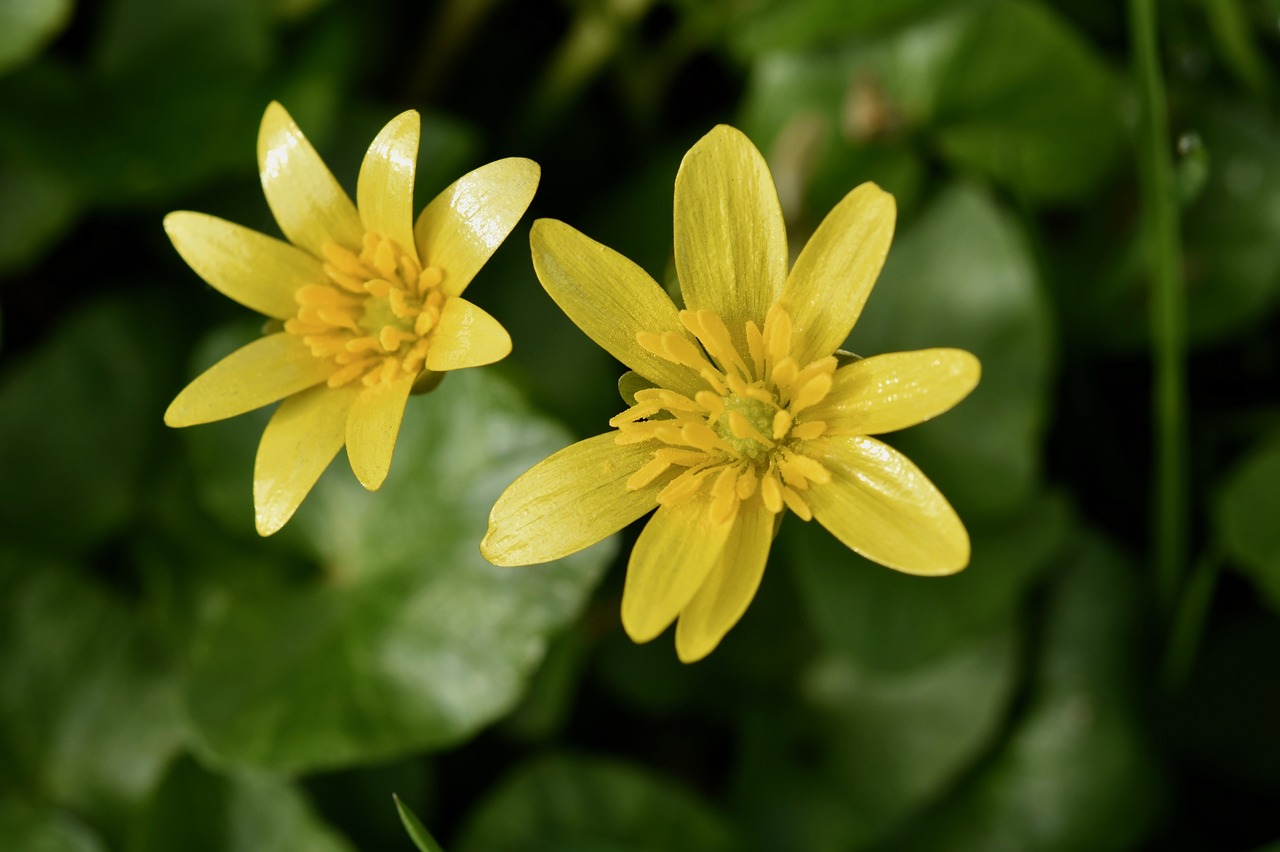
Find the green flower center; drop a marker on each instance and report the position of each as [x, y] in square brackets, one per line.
[757, 413]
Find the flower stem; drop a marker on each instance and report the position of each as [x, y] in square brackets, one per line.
[1168, 310]
[1188, 621]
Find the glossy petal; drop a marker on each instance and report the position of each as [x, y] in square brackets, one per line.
[608, 297]
[673, 556]
[836, 270]
[879, 504]
[259, 272]
[568, 501]
[310, 206]
[466, 337]
[885, 393]
[372, 428]
[464, 225]
[258, 374]
[728, 590]
[302, 437]
[730, 241]
[384, 191]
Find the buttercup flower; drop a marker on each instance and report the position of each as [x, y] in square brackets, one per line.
[371, 303]
[740, 406]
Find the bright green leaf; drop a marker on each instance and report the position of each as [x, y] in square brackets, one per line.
[409, 640]
[88, 715]
[580, 804]
[26, 26]
[197, 810]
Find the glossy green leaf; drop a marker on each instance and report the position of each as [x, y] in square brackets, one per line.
[194, 809]
[1246, 518]
[24, 828]
[77, 418]
[407, 639]
[888, 620]
[581, 804]
[26, 26]
[870, 748]
[1077, 772]
[88, 714]
[961, 275]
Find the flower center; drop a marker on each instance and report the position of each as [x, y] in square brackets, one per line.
[744, 429]
[374, 316]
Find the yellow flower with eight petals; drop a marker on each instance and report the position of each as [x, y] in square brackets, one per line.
[371, 303]
[740, 406]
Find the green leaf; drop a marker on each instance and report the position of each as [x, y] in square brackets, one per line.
[581, 804]
[197, 810]
[417, 833]
[1246, 514]
[88, 715]
[961, 275]
[77, 419]
[808, 24]
[888, 620]
[36, 207]
[870, 748]
[407, 639]
[26, 26]
[24, 828]
[1028, 102]
[1077, 772]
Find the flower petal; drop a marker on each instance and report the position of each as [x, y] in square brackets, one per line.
[671, 559]
[730, 240]
[257, 374]
[310, 206]
[384, 191]
[885, 393]
[727, 592]
[881, 505]
[608, 297]
[300, 440]
[836, 270]
[567, 502]
[464, 225]
[372, 428]
[466, 337]
[259, 272]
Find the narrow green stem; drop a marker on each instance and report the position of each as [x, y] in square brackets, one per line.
[1188, 621]
[1168, 310]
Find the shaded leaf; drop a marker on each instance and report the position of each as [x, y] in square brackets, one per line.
[26, 26]
[29, 829]
[1246, 518]
[420, 836]
[581, 804]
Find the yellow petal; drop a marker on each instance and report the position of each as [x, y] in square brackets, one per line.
[836, 270]
[608, 297]
[258, 374]
[885, 393]
[729, 588]
[310, 206]
[730, 241]
[302, 437]
[384, 191]
[258, 271]
[464, 225]
[568, 501]
[466, 336]
[671, 559]
[879, 504]
[372, 428]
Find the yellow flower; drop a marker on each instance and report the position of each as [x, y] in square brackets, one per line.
[369, 304]
[740, 407]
